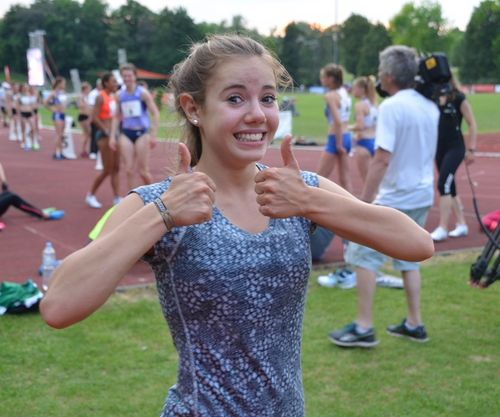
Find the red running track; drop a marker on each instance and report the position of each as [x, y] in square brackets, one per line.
[63, 184]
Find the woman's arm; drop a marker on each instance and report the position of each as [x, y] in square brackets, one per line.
[3, 179]
[382, 228]
[48, 102]
[471, 138]
[82, 104]
[153, 111]
[360, 111]
[114, 131]
[333, 101]
[281, 192]
[85, 279]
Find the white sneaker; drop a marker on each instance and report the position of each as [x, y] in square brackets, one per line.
[92, 201]
[117, 200]
[459, 230]
[92, 155]
[329, 280]
[346, 278]
[439, 234]
[388, 281]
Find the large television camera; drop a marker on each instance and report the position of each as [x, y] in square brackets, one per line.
[433, 77]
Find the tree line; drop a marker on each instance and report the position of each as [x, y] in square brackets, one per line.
[88, 35]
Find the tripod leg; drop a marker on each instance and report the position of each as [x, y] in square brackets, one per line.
[478, 268]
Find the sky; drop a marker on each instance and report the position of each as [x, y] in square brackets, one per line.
[264, 15]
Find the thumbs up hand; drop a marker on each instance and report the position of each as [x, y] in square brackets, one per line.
[281, 192]
[191, 195]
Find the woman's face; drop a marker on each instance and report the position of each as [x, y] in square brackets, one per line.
[324, 79]
[240, 114]
[129, 78]
[357, 90]
[111, 84]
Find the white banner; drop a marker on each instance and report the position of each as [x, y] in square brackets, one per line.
[285, 126]
[36, 75]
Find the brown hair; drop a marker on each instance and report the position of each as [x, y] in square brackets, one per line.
[192, 74]
[85, 85]
[105, 79]
[336, 72]
[58, 80]
[368, 85]
[128, 67]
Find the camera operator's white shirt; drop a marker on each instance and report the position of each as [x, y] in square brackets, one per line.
[407, 127]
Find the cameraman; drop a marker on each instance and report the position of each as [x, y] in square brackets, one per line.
[400, 175]
[452, 149]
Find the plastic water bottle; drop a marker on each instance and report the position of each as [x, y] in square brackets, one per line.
[48, 264]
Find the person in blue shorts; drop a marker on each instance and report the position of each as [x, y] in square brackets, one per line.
[138, 116]
[366, 109]
[228, 240]
[57, 102]
[337, 112]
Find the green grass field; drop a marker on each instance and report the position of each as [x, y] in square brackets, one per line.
[311, 123]
[121, 362]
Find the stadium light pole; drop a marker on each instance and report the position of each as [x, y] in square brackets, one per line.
[335, 34]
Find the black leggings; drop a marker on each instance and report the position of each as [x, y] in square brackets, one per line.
[447, 161]
[8, 199]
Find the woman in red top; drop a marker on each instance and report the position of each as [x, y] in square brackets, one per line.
[104, 110]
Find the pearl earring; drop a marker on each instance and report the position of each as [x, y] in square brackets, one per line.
[195, 122]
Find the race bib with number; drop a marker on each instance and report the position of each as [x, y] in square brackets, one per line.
[131, 108]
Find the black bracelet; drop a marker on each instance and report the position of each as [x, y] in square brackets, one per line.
[165, 214]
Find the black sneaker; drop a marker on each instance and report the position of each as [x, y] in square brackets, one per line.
[400, 330]
[349, 337]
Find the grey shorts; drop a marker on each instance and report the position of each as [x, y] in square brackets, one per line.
[368, 258]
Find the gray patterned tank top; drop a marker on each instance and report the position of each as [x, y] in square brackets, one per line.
[234, 303]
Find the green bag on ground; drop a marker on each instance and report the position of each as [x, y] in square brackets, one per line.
[19, 298]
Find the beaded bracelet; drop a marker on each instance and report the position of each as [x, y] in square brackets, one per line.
[165, 214]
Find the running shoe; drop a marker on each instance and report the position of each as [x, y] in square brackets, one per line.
[388, 281]
[92, 201]
[328, 281]
[439, 234]
[346, 279]
[459, 231]
[348, 336]
[56, 215]
[418, 334]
